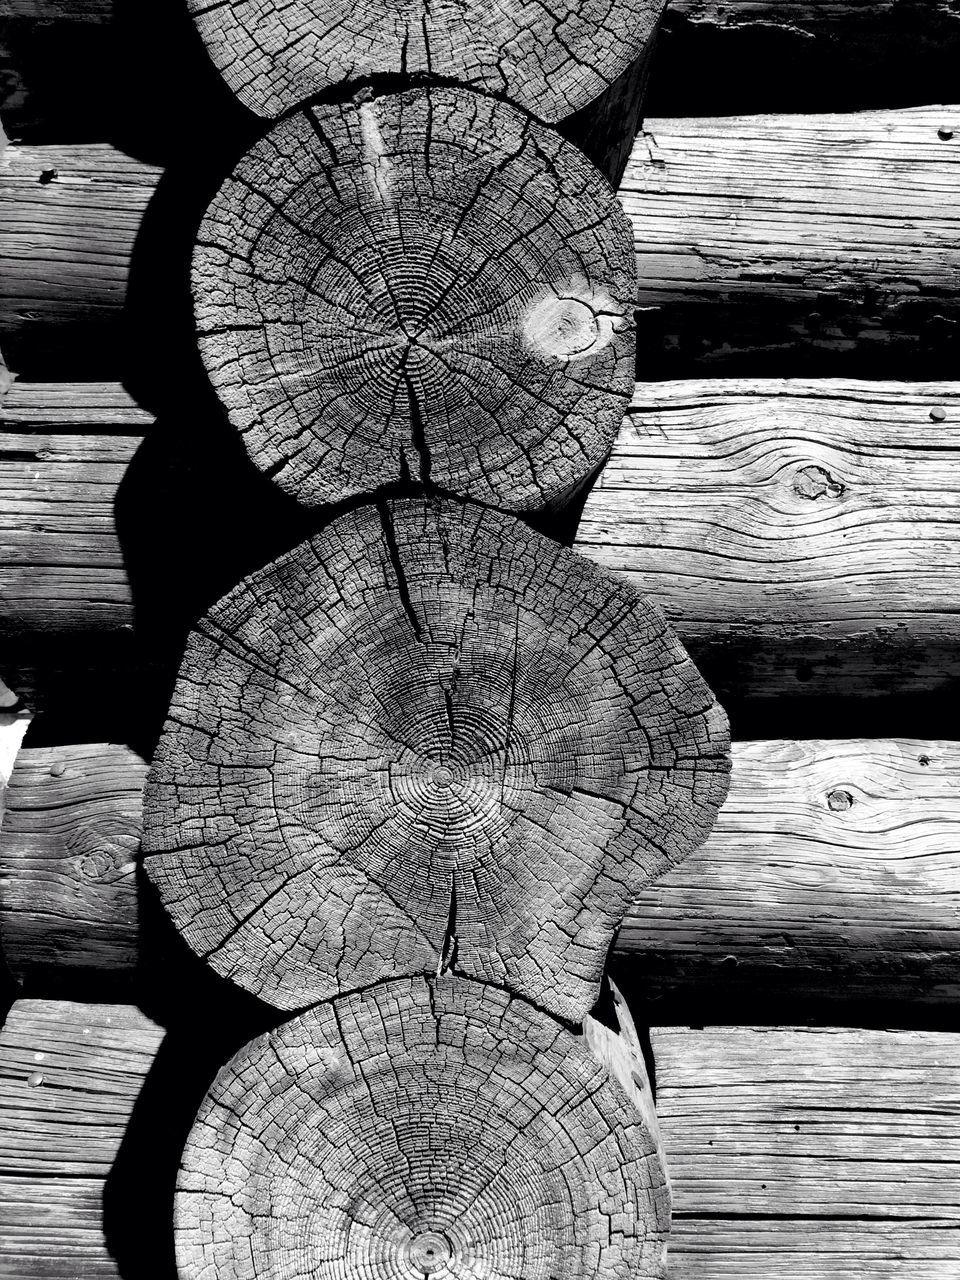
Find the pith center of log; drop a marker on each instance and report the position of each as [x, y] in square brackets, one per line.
[425, 1127]
[424, 286]
[427, 739]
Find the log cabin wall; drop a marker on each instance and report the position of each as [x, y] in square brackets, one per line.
[792, 262]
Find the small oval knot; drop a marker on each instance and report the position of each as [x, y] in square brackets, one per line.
[839, 800]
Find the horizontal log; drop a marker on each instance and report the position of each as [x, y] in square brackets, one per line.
[84, 68]
[765, 244]
[811, 526]
[805, 1152]
[811, 1152]
[802, 536]
[833, 874]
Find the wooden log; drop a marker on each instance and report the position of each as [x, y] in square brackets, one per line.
[797, 534]
[68, 854]
[831, 876]
[71, 1075]
[83, 68]
[776, 245]
[83, 503]
[550, 62]
[798, 1151]
[811, 1152]
[425, 285]
[426, 739]
[423, 1126]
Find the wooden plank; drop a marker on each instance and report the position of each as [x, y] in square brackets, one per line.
[802, 536]
[811, 1153]
[773, 244]
[81, 67]
[71, 1075]
[833, 874]
[811, 526]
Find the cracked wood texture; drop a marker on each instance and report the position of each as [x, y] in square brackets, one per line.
[832, 874]
[427, 739]
[70, 1075]
[69, 848]
[426, 285]
[78, 68]
[811, 1153]
[778, 245]
[797, 534]
[424, 1128]
[866, 465]
[550, 59]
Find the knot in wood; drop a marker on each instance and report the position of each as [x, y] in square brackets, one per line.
[425, 286]
[427, 733]
[438, 1129]
[552, 60]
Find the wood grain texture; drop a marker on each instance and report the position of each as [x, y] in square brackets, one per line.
[833, 874]
[422, 1127]
[774, 244]
[421, 285]
[828, 241]
[69, 847]
[427, 739]
[834, 473]
[78, 68]
[550, 60]
[70, 1075]
[802, 536]
[811, 1152]
[796, 892]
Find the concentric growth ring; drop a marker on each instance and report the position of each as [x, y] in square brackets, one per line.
[424, 286]
[429, 738]
[420, 1129]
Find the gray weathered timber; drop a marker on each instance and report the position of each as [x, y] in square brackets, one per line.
[427, 739]
[85, 65]
[811, 1153]
[858, 470]
[424, 285]
[800, 1152]
[425, 1125]
[70, 1075]
[802, 536]
[833, 873]
[814, 244]
[69, 847]
[550, 60]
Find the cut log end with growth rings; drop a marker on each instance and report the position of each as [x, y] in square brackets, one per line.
[551, 59]
[423, 1128]
[428, 739]
[427, 286]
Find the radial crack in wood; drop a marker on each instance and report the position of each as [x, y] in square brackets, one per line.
[428, 285]
[428, 738]
[422, 1128]
[549, 58]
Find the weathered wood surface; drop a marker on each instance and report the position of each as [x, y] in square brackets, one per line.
[811, 526]
[427, 739]
[83, 68]
[805, 1152]
[70, 1075]
[551, 61]
[765, 244]
[832, 874]
[69, 847]
[423, 285]
[803, 537]
[811, 1153]
[423, 1126]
